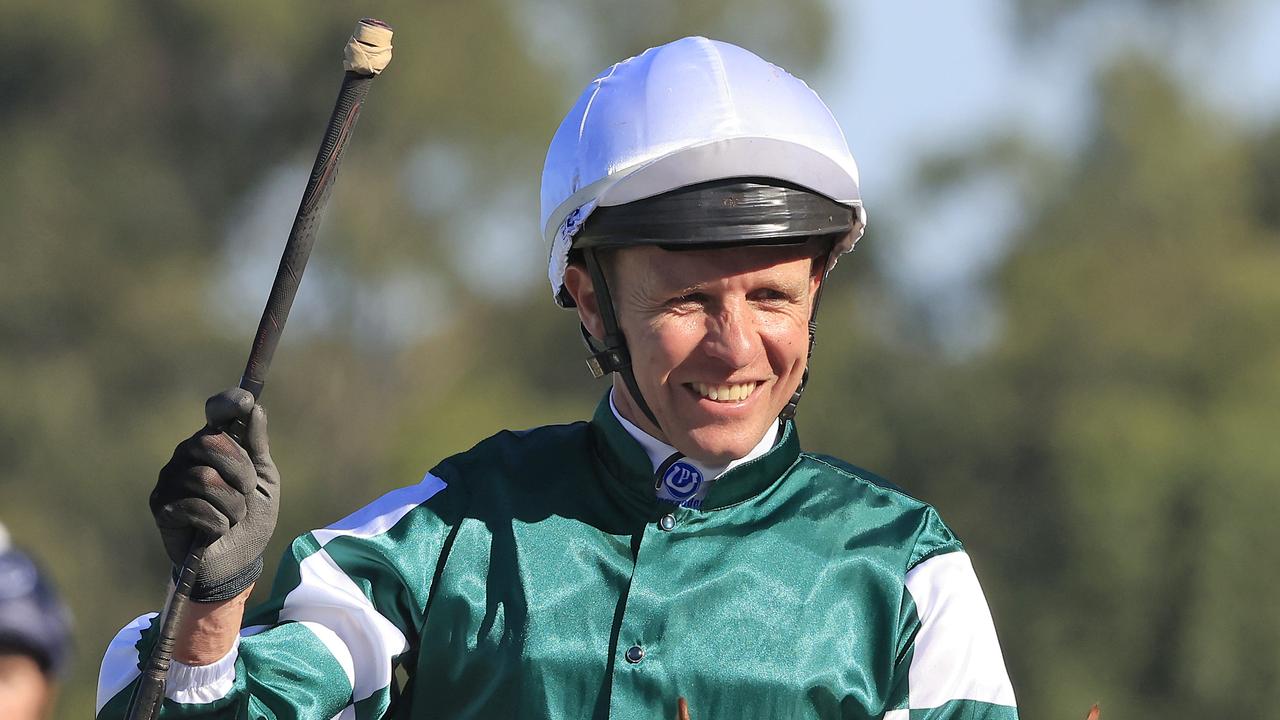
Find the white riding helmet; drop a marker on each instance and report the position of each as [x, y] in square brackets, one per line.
[685, 113]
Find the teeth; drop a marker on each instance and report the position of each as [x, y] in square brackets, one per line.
[725, 393]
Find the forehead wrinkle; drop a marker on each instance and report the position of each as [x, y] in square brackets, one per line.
[634, 282]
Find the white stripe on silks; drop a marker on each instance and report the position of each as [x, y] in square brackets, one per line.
[120, 663]
[382, 514]
[336, 611]
[956, 655]
[326, 596]
[347, 713]
[203, 683]
[897, 715]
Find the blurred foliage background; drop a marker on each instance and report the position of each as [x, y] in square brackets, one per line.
[1107, 451]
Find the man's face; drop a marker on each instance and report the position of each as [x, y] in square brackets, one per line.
[718, 340]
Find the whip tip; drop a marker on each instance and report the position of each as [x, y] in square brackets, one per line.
[368, 52]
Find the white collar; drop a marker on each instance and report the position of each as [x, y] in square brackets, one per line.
[659, 451]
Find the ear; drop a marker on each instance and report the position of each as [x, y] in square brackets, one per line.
[578, 282]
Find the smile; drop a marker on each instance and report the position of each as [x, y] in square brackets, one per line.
[736, 392]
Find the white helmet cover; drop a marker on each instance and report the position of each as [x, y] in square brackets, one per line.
[683, 113]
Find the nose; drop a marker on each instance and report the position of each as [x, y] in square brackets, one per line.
[732, 336]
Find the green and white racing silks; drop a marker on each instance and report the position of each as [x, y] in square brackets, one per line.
[538, 576]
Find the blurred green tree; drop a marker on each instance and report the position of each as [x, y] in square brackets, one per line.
[1107, 458]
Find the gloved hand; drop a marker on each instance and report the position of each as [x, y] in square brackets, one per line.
[216, 491]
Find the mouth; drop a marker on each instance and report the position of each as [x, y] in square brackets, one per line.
[724, 393]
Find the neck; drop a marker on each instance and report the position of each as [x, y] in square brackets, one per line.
[626, 408]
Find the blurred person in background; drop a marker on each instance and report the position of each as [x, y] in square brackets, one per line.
[35, 637]
[677, 545]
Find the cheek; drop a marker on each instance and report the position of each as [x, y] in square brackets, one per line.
[786, 343]
[667, 345]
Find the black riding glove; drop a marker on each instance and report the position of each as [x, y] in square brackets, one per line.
[218, 492]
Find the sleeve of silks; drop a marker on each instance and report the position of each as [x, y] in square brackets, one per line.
[949, 664]
[344, 610]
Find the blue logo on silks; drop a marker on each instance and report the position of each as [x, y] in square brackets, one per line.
[681, 481]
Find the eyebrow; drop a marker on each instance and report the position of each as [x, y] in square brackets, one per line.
[687, 289]
[794, 289]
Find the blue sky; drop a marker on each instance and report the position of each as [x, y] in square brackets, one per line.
[905, 78]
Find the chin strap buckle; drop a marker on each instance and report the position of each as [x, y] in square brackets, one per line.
[613, 358]
[609, 360]
[593, 365]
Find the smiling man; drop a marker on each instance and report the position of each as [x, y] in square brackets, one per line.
[677, 545]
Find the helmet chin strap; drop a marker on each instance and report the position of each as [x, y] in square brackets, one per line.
[614, 357]
[789, 412]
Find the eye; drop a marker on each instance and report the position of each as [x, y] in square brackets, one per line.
[694, 298]
[771, 295]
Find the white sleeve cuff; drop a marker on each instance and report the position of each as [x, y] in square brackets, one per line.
[203, 683]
